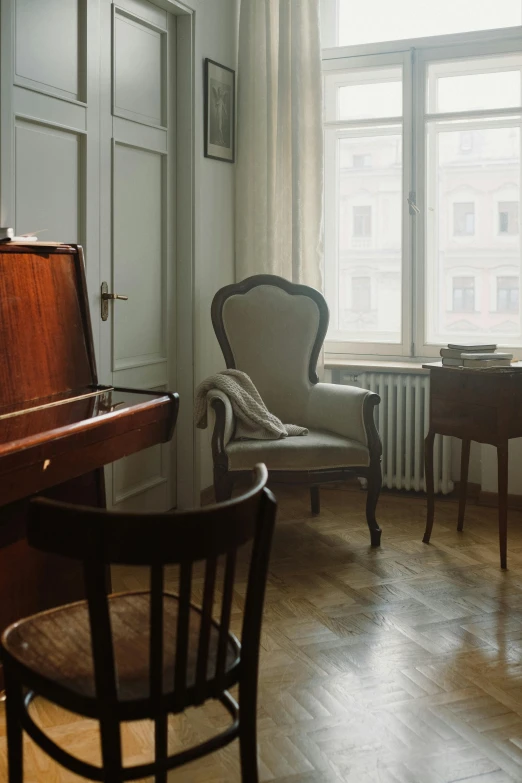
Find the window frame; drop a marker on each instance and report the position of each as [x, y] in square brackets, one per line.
[388, 124]
[415, 55]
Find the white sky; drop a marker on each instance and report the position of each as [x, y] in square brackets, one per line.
[389, 20]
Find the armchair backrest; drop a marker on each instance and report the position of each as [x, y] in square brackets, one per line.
[273, 330]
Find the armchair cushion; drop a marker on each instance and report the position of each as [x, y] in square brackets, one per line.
[318, 450]
[337, 409]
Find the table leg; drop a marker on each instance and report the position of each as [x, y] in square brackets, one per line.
[464, 465]
[430, 489]
[502, 456]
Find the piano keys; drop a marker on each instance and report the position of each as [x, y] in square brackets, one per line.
[58, 425]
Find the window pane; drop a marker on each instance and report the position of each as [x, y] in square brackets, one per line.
[468, 85]
[473, 243]
[363, 94]
[363, 218]
[507, 294]
[391, 21]
[508, 217]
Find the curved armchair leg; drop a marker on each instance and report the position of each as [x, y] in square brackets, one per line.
[374, 489]
[223, 485]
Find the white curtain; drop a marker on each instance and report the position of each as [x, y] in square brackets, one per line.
[279, 186]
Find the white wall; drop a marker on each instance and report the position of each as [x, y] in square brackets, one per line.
[216, 37]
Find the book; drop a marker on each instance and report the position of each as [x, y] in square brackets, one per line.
[483, 363]
[451, 362]
[485, 356]
[472, 348]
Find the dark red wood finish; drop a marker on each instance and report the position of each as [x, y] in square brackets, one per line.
[485, 406]
[56, 450]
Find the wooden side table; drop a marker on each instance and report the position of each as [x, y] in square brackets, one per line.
[484, 406]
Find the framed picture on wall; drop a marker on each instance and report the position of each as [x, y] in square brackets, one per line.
[220, 108]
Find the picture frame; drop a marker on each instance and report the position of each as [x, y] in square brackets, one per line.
[220, 111]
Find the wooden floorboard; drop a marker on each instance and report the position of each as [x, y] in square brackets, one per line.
[396, 665]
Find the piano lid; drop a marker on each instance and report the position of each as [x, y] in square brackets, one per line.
[45, 334]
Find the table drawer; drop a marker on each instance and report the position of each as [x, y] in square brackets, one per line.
[464, 420]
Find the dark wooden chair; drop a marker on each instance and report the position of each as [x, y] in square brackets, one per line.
[140, 655]
[274, 330]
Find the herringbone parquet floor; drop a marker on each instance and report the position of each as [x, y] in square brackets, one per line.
[398, 665]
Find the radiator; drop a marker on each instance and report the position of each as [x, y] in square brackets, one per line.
[402, 419]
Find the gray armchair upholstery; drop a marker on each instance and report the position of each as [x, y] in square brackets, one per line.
[274, 330]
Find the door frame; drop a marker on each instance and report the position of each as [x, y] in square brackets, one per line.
[187, 490]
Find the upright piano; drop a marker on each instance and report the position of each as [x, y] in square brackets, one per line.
[58, 425]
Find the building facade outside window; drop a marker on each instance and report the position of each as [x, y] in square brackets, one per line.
[507, 294]
[463, 219]
[508, 217]
[362, 221]
[429, 132]
[463, 294]
[361, 294]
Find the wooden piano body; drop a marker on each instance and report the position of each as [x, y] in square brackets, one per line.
[58, 426]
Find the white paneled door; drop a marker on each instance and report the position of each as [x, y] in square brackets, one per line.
[138, 225]
[88, 112]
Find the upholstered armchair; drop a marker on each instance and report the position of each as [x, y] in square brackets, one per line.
[273, 330]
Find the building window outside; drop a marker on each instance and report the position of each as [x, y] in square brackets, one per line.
[463, 294]
[362, 221]
[362, 161]
[361, 294]
[508, 217]
[463, 219]
[507, 294]
[466, 141]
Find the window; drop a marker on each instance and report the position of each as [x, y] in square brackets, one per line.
[345, 23]
[466, 141]
[361, 294]
[442, 125]
[508, 217]
[362, 221]
[463, 219]
[463, 294]
[507, 295]
[361, 161]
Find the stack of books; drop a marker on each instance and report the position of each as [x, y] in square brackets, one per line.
[474, 356]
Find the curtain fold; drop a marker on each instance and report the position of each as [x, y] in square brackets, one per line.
[279, 172]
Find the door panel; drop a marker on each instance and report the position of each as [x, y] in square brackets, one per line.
[139, 328]
[139, 65]
[49, 182]
[137, 244]
[38, 57]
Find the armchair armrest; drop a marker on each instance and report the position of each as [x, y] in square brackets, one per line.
[224, 424]
[346, 411]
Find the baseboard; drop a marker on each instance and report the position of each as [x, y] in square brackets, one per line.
[491, 499]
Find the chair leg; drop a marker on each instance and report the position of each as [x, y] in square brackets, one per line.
[248, 732]
[374, 489]
[223, 485]
[13, 708]
[315, 500]
[161, 745]
[111, 750]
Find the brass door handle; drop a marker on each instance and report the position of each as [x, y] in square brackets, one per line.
[106, 298]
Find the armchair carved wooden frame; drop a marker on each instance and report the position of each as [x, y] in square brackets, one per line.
[352, 401]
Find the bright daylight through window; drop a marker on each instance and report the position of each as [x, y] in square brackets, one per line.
[422, 174]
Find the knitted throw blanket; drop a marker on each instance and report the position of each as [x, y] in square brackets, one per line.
[253, 419]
